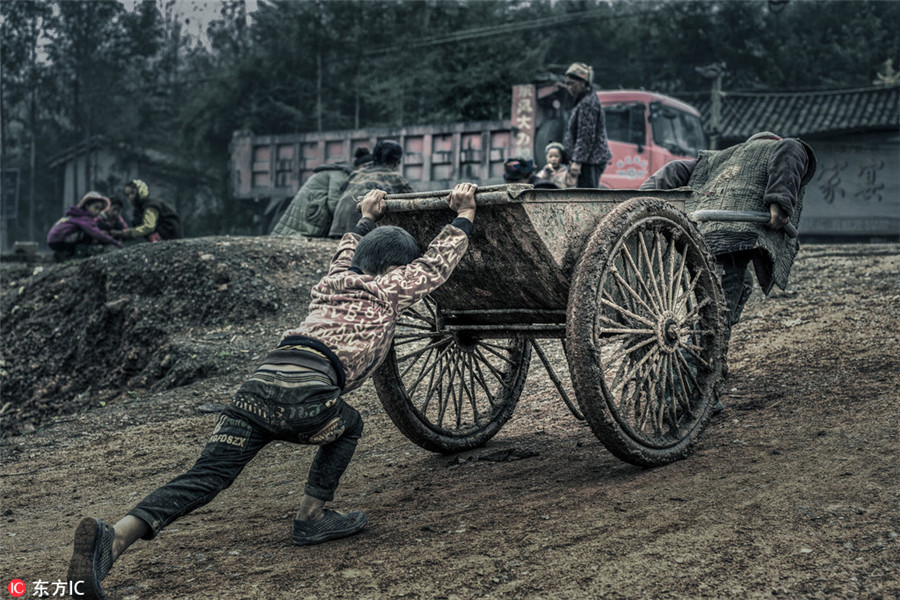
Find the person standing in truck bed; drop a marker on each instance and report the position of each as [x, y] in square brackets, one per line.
[585, 140]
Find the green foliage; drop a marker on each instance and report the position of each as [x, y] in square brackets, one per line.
[20, 70]
[72, 70]
[83, 65]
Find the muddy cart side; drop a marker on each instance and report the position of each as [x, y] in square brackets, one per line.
[591, 267]
[510, 288]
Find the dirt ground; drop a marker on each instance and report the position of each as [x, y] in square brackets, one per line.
[793, 491]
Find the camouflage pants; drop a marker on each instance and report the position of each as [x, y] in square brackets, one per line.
[261, 412]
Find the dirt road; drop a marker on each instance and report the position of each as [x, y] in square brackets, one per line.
[793, 491]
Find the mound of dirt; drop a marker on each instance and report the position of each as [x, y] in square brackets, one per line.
[84, 333]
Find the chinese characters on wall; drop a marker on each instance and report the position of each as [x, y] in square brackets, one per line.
[523, 121]
[839, 180]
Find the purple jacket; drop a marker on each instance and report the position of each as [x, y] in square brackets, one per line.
[73, 226]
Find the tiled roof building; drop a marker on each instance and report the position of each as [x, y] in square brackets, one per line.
[804, 114]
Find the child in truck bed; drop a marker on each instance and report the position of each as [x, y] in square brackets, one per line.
[556, 171]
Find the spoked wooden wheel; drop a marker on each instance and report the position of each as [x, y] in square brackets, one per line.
[646, 332]
[449, 391]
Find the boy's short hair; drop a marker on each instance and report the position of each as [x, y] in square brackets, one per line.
[362, 156]
[385, 247]
[116, 202]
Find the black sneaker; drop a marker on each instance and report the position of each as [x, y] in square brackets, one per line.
[331, 526]
[92, 557]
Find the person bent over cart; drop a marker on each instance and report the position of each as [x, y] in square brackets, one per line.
[765, 173]
[296, 395]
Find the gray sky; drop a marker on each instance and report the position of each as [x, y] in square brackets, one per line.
[200, 12]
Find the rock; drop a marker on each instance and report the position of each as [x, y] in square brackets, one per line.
[507, 455]
[115, 307]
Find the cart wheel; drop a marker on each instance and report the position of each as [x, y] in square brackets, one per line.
[646, 332]
[449, 391]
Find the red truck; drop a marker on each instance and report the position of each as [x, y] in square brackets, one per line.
[645, 130]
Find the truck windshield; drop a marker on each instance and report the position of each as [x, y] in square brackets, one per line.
[678, 132]
[625, 123]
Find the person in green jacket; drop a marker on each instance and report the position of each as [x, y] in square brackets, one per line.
[311, 211]
[382, 174]
[764, 174]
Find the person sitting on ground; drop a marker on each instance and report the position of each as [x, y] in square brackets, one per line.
[77, 234]
[381, 174]
[556, 170]
[764, 174]
[111, 219]
[296, 394]
[154, 220]
[312, 209]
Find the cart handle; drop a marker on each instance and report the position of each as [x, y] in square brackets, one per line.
[739, 215]
[437, 200]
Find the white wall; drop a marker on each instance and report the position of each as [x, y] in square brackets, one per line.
[856, 189]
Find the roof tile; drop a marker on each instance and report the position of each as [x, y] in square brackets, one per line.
[806, 113]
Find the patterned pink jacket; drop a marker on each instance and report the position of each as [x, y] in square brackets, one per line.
[354, 315]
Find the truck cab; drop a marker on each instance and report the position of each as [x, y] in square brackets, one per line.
[645, 131]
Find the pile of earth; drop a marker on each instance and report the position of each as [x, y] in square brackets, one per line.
[150, 317]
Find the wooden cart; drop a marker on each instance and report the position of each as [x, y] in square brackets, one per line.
[624, 278]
